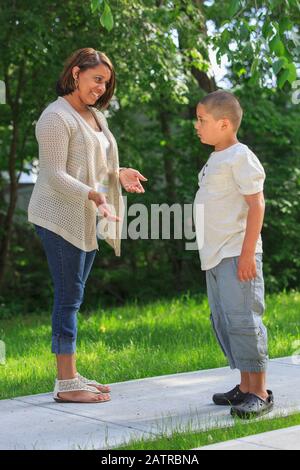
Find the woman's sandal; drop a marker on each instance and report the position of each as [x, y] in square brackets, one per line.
[105, 388]
[75, 385]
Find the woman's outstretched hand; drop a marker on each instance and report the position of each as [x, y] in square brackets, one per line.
[104, 209]
[130, 180]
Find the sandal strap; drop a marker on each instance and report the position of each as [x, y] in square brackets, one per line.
[72, 385]
[85, 380]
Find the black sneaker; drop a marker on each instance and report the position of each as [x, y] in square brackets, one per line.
[234, 397]
[253, 406]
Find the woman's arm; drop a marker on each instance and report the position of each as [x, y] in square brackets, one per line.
[53, 138]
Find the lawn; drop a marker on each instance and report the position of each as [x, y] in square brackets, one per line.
[191, 440]
[133, 341]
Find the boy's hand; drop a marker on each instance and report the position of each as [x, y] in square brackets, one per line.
[246, 267]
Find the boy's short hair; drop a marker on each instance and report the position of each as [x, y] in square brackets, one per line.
[223, 104]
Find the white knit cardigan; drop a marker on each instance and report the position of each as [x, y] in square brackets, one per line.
[71, 163]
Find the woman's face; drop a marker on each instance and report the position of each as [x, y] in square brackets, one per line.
[91, 83]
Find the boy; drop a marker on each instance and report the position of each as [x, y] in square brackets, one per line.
[231, 192]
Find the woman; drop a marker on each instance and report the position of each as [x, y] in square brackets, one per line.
[78, 174]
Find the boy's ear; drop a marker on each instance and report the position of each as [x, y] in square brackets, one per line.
[225, 123]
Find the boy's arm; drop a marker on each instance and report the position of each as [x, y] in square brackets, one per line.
[247, 263]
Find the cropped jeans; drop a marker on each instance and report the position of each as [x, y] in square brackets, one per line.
[69, 268]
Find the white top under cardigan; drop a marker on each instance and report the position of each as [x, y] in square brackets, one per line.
[71, 163]
[104, 142]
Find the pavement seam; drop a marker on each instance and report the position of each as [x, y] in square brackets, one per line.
[244, 440]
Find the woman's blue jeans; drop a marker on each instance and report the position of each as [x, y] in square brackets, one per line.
[69, 267]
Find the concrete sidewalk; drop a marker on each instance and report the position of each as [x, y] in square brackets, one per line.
[282, 439]
[138, 408]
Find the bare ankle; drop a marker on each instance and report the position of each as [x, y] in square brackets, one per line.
[66, 376]
[244, 388]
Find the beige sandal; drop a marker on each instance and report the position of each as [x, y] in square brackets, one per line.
[74, 385]
[92, 383]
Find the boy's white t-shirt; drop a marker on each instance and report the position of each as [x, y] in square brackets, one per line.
[227, 176]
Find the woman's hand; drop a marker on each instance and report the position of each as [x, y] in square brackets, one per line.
[104, 209]
[130, 180]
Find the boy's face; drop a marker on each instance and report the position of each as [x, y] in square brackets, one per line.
[209, 130]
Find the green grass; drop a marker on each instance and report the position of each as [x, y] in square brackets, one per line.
[190, 440]
[133, 342]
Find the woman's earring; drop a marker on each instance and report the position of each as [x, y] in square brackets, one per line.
[76, 82]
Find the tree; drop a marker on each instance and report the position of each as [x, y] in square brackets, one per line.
[160, 50]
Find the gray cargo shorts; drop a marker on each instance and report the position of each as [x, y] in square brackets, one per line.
[236, 315]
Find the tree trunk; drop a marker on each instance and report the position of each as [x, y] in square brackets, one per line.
[6, 234]
[206, 83]
[174, 247]
[8, 218]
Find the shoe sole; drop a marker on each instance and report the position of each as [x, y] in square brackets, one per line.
[59, 400]
[245, 415]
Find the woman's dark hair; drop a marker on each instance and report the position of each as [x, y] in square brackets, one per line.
[86, 58]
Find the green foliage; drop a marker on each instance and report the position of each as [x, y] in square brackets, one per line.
[260, 33]
[102, 7]
[156, 51]
[271, 128]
